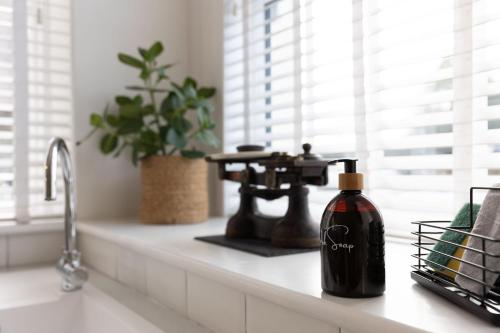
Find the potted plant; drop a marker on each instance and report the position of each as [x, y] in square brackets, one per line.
[164, 125]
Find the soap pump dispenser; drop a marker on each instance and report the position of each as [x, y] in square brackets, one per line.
[352, 240]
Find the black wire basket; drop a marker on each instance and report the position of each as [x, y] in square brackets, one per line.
[485, 305]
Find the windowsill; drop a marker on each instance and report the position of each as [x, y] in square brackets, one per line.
[34, 226]
[293, 281]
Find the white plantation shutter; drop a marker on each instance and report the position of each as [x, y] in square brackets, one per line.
[272, 73]
[234, 76]
[35, 101]
[409, 70]
[7, 203]
[236, 123]
[329, 50]
[411, 88]
[261, 75]
[486, 92]
[50, 95]
[290, 80]
[327, 72]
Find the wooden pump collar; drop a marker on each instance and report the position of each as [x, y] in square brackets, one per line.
[351, 181]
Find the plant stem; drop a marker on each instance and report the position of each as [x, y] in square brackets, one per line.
[157, 117]
[86, 137]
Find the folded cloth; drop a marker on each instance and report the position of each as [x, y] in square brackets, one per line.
[462, 219]
[487, 224]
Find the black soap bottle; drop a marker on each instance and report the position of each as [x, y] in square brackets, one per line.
[352, 240]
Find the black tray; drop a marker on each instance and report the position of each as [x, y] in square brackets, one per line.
[253, 245]
[429, 281]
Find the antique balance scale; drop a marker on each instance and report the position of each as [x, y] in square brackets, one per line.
[281, 175]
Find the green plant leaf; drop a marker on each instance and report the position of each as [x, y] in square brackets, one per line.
[145, 73]
[147, 110]
[177, 139]
[112, 120]
[192, 154]
[189, 88]
[204, 118]
[109, 142]
[96, 120]
[170, 104]
[149, 137]
[190, 92]
[138, 100]
[162, 68]
[206, 92]
[144, 54]
[130, 60]
[189, 82]
[207, 137]
[130, 111]
[149, 142]
[191, 102]
[123, 100]
[128, 126]
[163, 134]
[155, 50]
[204, 103]
[181, 124]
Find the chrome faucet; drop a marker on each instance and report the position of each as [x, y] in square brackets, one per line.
[73, 275]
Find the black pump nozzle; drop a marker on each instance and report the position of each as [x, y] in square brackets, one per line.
[349, 164]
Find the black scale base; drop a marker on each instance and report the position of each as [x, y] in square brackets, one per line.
[260, 247]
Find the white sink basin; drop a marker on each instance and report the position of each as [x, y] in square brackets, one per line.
[31, 301]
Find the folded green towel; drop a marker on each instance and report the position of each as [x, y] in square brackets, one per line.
[461, 220]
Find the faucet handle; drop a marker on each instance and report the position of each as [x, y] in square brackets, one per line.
[73, 275]
[73, 257]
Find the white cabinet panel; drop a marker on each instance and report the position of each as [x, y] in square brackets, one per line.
[99, 254]
[215, 306]
[36, 248]
[266, 317]
[166, 284]
[132, 270]
[3, 251]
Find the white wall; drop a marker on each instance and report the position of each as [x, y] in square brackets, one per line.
[108, 187]
[205, 64]
[191, 31]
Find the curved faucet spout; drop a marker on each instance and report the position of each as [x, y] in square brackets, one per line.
[58, 149]
[70, 260]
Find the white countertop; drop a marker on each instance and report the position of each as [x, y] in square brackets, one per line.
[295, 280]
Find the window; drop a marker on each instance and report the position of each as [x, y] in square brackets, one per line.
[35, 100]
[411, 88]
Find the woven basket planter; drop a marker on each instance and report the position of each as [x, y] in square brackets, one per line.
[174, 190]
